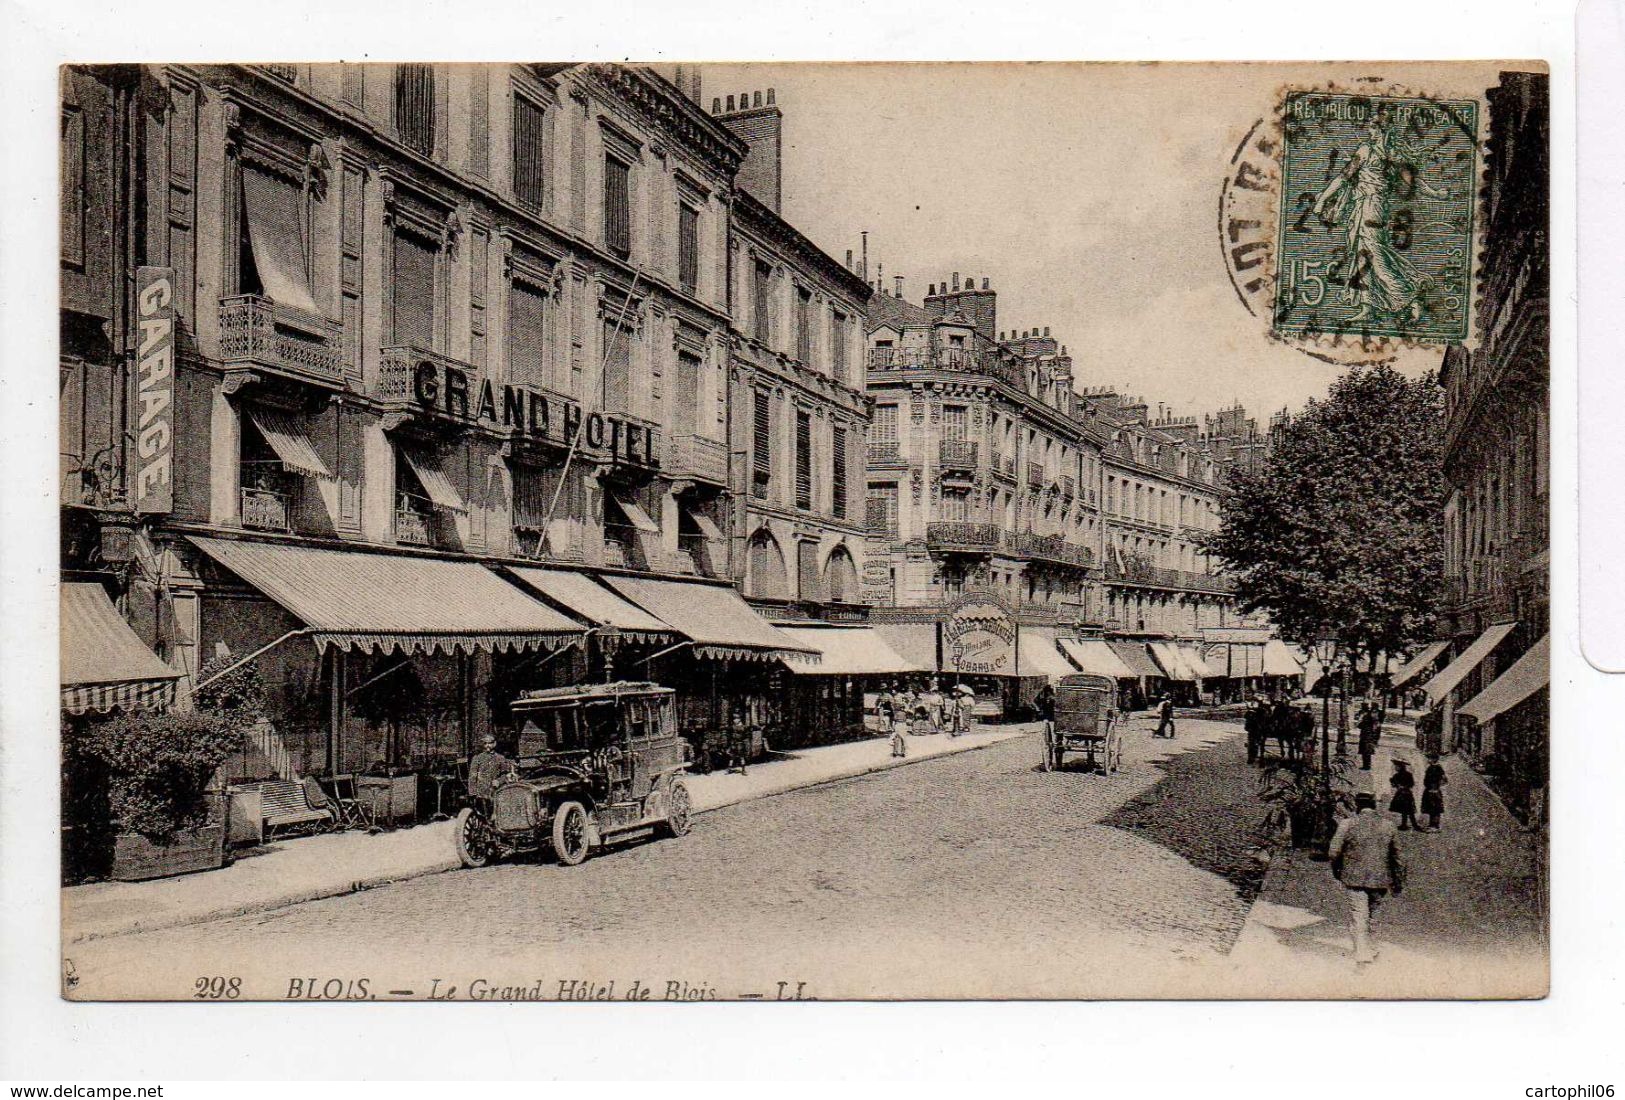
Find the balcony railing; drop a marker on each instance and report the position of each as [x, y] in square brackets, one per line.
[976, 538]
[698, 457]
[265, 509]
[1055, 550]
[456, 388]
[1142, 572]
[255, 333]
[959, 360]
[883, 452]
[1068, 487]
[956, 454]
[1035, 475]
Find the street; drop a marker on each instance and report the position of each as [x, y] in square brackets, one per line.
[976, 874]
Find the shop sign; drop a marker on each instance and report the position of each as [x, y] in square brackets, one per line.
[155, 390]
[980, 634]
[446, 390]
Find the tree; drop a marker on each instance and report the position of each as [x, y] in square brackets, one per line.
[1339, 534]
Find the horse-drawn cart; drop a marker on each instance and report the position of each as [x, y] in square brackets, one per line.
[1086, 722]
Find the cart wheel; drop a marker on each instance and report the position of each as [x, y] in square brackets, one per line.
[570, 833]
[475, 846]
[678, 808]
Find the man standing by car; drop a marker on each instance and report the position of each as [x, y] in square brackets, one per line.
[484, 770]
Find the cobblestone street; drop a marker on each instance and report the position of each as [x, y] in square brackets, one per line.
[975, 874]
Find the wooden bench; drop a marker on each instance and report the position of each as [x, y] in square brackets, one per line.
[283, 805]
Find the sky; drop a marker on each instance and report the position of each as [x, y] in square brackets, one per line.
[1087, 194]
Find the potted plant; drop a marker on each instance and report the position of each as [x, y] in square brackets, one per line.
[158, 769]
[1305, 800]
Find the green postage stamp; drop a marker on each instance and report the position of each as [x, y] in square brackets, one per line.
[1376, 216]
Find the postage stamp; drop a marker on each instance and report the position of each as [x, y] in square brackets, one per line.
[1375, 225]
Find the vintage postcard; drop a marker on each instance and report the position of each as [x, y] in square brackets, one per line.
[676, 533]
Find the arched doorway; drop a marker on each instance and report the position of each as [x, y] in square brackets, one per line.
[765, 574]
[841, 576]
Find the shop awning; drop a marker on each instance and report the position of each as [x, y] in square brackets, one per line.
[1096, 658]
[1217, 664]
[916, 643]
[386, 602]
[104, 665]
[288, 439]
[1279, 659]
[714, 617]
[1456, 671]
[1192, 656]
[847, 651]
[1037, 655]
[1133, 655]
[435, 482]
[1528, 674]
[585, 597]
[1175, 665]
[1418, 664]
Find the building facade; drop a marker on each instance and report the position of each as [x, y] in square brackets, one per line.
[1497, 445]
[421, 313]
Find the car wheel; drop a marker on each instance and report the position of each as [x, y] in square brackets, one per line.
[475, 846]
[570, 833]
[679, 807]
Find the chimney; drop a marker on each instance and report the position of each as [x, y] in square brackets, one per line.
[984, 283]
[760, 126]
[956, 282]
[898, 279]
[849, 266]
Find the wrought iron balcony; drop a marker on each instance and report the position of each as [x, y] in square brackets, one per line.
[963, 538]
[955, 359]
[697, 457]
[1035, 475]
[884, 452]
[265, 509]
[417, 381]
[1054, 550]
[1068, 487]
[256, 334]
[956, 454]
[414, 519]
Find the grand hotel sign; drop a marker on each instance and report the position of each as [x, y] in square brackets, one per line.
[444, 390]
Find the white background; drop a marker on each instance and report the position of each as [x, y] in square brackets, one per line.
[1152, 1049]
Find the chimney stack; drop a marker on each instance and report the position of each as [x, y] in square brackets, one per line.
[956, 281]
[849, 266]
[898, 279]
[761, 127]
[984, 283]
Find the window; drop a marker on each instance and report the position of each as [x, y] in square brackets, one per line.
[414, 106]
[803, 459]
[763, 311]
[618, 206]
[275, 253]
[688, 247]
[528, 143]
[954, 508]
[881, 510]
[73, 185]
[686, 420]
[837, 345]
[837, 481]
[804, 326]
[762, 445]
[884, 427]
[527, 334]
[953, 421]
[617, 393]
[413, 294]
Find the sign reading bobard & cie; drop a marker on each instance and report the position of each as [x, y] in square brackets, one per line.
[155, 390]
[445, 389]
[979, 637]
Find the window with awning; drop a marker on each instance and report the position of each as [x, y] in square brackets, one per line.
[286, 435]
[1528, 674]
[104, 665]
[1451, 676]
[275, 223]
[431, 474]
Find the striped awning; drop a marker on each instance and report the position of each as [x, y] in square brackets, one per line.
[1279, 659]
[1528, 674]
[373, 601]
[1456, 671]
[847, 651]
[1133, 655]
[435, 482]
[1175, 665]
[287, 437]
[582, 595]
[1418, 664]
[1094, 656]
[104, 665]
[1037, 655]
[714, 617]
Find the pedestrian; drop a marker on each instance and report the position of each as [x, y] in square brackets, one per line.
[739, 745]
[1370, 733]
[1365, 859]
[1257, 725]
[1433, 781]
[1404, 801]
[1165, 717]
[899, 745]
[964, 709]
[933, 706]
[885, 706]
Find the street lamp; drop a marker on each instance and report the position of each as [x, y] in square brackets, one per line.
[957, 651]
[1326, 653]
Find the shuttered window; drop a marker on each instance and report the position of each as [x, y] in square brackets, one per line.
[688, 247]
[527, 334]
[884, 427]
[275, 224]
[953, 422]
[953, 508]
[837, 346]
[414, 106]
[804, 326]
[762, 444]
[527, 151]
[413, 293]
[803, 460]
[73, 185]
[837, 481]
[618, 206]
[763, 313]
[880, 514]
[617, 368]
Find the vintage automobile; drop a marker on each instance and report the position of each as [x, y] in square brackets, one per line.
[595, 764]
[1086, 721]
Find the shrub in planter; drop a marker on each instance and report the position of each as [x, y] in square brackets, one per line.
[159, 767]
[1305, 800]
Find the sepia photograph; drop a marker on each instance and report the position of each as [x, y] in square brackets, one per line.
[616, 531]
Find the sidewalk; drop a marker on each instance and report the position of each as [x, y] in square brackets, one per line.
[305, 869]
[1469, 924]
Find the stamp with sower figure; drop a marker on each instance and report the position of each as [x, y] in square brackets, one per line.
[1375, 227]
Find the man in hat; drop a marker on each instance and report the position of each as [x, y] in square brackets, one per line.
[1365, 859]
[1165, 717]
[964, 704]
[485, 770]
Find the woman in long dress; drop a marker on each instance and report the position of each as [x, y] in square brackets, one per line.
[1359, 199]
